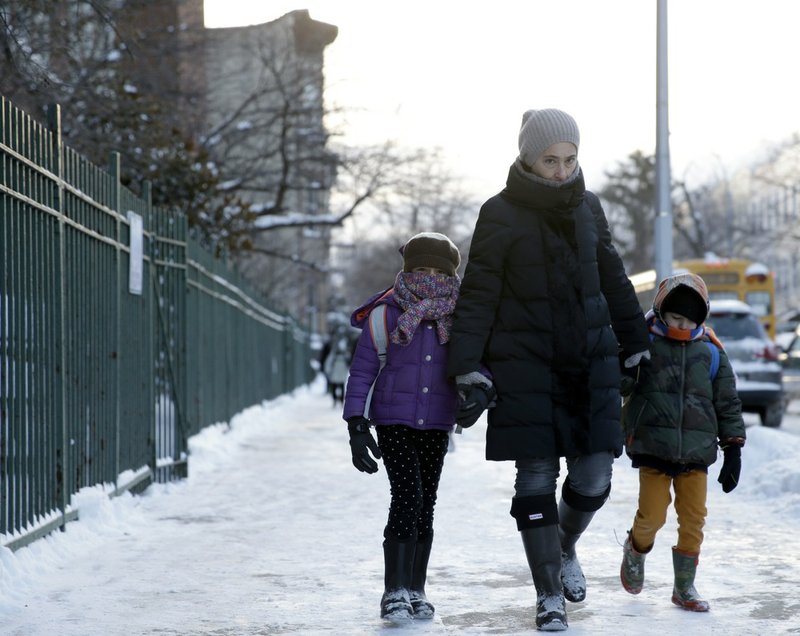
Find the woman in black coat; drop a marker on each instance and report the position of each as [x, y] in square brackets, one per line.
[545, 303]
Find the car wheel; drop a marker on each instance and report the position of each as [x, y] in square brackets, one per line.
[772, 414]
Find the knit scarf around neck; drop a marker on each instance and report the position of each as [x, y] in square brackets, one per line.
[660, 328]
[541, 194]
[424, 296]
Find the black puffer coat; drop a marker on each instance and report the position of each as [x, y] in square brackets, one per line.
[541, 291]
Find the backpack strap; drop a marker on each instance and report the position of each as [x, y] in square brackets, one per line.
[379, 333]
[714, 359]
[380, 340]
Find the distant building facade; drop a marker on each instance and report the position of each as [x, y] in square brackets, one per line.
[264, 88]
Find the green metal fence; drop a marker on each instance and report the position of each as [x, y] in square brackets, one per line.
[120, 337]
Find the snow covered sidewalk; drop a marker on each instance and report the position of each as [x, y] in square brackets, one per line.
[274, 532]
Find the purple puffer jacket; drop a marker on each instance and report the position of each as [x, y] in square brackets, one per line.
[413, 388]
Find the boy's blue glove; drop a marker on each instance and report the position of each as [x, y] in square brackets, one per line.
[475, 394]
[731, 467]
[361, 442]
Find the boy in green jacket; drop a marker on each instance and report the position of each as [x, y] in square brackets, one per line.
[678, 409]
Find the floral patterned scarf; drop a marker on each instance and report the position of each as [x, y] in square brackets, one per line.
[424, 296]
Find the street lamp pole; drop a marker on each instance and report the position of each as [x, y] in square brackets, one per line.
[663, 225]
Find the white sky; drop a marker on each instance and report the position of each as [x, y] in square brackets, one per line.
[275, 532]
[459, 75]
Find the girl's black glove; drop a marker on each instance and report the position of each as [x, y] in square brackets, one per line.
[361, 442]
[731, 467]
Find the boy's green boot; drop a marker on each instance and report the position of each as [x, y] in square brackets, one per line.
[684, 594]
[631, 572]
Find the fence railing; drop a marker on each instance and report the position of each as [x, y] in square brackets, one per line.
[120, 337]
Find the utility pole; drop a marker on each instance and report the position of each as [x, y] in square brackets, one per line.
[663, 203]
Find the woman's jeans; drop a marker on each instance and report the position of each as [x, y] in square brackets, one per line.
[585, 489]
[589, 475]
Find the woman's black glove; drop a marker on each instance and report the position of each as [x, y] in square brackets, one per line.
[475, 394]
[361, 442]
[731, 467]
[627, 385]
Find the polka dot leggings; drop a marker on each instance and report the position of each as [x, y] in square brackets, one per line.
[413, 461]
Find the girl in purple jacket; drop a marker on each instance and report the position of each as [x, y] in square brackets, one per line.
[413, 408]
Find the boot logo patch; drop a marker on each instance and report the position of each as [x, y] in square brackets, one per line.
[535, 516]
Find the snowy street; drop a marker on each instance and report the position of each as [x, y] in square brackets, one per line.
[275, 532]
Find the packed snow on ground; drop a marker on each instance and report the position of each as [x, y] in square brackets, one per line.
[275, 532]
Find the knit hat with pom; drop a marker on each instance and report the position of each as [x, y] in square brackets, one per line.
[543, 128]
[685, 294]
[431, 249]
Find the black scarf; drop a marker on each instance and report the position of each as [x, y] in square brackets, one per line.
[534, 192]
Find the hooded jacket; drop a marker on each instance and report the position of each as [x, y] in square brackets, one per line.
[678, 410]
[545, 304]
[413, 388]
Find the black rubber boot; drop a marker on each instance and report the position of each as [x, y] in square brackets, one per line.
[543, 551]
[398, 559]
[571, 524]
[423, 608]
[575, 512]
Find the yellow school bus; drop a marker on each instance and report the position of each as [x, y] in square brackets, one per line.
[736, 278]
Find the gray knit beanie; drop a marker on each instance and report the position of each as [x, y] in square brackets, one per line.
[431, 249]
[543, 128]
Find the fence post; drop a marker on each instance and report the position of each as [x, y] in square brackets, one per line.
[147, 196]
[54, 125]
[114, 165]
[183, 346]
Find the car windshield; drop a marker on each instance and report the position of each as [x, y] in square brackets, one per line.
[736, 326]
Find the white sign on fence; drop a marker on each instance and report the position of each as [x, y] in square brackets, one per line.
[136, 261]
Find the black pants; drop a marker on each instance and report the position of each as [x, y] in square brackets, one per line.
[413, 461]
[337, 392]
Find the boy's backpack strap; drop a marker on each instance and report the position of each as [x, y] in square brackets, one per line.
[380, 340]
[714, 359]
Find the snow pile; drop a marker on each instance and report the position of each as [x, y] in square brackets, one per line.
[275, 532]
[770, 468]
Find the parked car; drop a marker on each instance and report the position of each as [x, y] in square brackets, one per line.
[790, 361]
[754, 358]
[786, 325]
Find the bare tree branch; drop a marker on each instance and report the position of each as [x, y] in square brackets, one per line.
[291, 257]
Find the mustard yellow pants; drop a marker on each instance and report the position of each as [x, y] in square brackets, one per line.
[654, 499]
